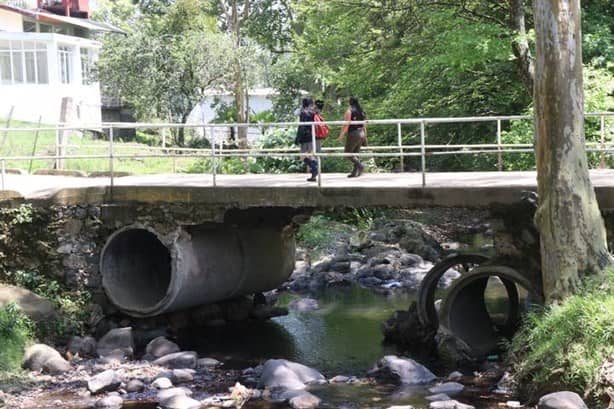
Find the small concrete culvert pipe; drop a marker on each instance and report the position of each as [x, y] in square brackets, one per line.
[464, 313]
[427, 314]
[144, 275]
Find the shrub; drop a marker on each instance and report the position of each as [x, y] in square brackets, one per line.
[15, 334]
[563, 346]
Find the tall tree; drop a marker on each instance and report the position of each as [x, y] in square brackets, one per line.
[573, 236]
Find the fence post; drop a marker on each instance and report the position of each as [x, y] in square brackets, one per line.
[112, 180]
[423, 151]
[602, 131]
[400, 142]
[3, 172]
[40, 119]
[213, 162]
[57, 147]
[8, 125]
[315, 154]
[499, 155]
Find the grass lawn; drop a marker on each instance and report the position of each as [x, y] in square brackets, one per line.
[22, 143]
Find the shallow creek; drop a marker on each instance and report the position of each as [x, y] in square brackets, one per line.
[341, 337]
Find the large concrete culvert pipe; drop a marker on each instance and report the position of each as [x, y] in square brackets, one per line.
[146, 274]
[464, 312]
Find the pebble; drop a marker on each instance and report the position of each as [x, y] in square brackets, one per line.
[162, 383]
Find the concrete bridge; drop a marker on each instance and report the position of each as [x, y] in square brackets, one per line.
[449, 189]
[163, 243]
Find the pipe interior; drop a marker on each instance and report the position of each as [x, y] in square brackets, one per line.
[482, 322]
[136, 269]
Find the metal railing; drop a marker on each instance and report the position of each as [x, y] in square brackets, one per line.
[218, 151]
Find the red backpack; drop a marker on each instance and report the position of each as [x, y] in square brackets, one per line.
[321, 129]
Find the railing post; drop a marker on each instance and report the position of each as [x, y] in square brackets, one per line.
[213, 162]
[315, 154]
[3, 170]
[499, 155]
[400, 143]
[112, 181]
[57, 147]
[423, 151]
[602, 131]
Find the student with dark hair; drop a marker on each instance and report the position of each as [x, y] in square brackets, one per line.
[304, 137]
[356, 135]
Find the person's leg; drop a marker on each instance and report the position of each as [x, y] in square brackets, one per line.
[352, 143]
[359, 166]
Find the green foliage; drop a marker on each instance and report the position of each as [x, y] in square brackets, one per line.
[563, 347]
[316, 235]
[28, 259]
[15, 335]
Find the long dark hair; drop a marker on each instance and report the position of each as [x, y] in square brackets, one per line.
[355, 106]
[307, 103]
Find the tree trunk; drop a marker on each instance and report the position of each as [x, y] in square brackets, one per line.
[240, 89]
[520, 45]
[573, 236]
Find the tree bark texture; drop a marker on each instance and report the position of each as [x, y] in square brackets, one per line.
[573, 236]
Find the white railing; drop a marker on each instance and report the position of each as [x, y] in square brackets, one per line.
[218, 151]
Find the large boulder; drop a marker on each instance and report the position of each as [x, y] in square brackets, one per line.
[402, 370]
[161, 346]
[41, 357]
[561, 400]
[37, 308]
[105, 381]
[178, 360]
[280, 373]
[83, 346]
[118, 340]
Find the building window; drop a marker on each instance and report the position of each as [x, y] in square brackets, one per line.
[64, 64]
[44, 28]
[86, 66]
[29, 26]
[23, 62]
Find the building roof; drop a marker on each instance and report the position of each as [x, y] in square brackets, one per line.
[45, 16]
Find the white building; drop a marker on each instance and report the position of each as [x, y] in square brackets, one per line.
[260, 100]
[47, 57]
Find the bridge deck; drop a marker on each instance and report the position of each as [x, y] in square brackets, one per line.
[462, 189]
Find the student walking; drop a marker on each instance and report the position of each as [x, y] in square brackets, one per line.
[305, 140]
[356, 135]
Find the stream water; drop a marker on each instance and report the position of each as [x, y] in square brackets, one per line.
[342, 337]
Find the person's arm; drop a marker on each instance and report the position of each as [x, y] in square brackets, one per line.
[344, 129]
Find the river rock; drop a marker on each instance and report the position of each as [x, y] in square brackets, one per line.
[304, 304]
[164, 394]
[280, 373]
[179, 402]
[105, 381]
[340, 379]
[162, 383]
[41, 357]
[178, 360]
[455, 376]
[448, 388]
[402, 370]
[300, 399]
[182, 375]
[239, 394]
[83, 346]
[206, 363]
[116, 341]
[437, 397]
[449, 404]
[561, 400]
[135, 385]
[400, 407]
[110, 402]
[160, 346]
[34, 306]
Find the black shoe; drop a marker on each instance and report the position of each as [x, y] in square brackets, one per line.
[312, 179]
[352, 175]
